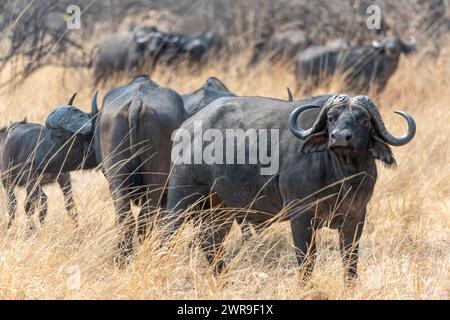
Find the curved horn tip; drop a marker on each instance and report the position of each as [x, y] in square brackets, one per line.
[295, 129]
[402, 140]
[290, 96]
[72, 99]
[411, 124]
[94, 105]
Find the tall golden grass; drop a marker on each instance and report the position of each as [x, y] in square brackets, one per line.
[405, 249]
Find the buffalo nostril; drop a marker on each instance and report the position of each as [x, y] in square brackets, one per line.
[346, 134]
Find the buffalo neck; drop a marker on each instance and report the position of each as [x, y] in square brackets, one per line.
[349, 163]
[352, 167]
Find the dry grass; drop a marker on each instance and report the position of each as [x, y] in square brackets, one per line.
[405, 245]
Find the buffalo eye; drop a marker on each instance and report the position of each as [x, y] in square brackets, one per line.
[363, 122]
[331, 119]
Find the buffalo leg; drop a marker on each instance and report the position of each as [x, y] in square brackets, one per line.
[125, 220]
[349, 237]
[212, 239]
[179, 202]
[150, 203]
[12, 205]
[144, 218]
[66, 187]
[303, 234]
[43, 205]
[36, 199]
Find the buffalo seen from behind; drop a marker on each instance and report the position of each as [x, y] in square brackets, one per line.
[132, 141]
[32, 155]
[360, 67]
[326, 173]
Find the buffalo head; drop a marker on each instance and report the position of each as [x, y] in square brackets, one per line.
[149, 39]
[394, 46]
[67, 146]
[71, 119]
[349, 126]
[142, 35]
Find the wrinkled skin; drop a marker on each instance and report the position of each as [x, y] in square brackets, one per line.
[132, 141]
[361, 66]
[33, 155]
[326, 179]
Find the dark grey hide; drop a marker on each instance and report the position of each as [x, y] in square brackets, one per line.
[326, 173]
[32, 155]
[133, 143]
[199, 45]
[210, 91]
[361, 66]
[125, 52]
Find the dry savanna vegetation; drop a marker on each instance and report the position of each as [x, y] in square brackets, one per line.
[405, 246]
[404, 249]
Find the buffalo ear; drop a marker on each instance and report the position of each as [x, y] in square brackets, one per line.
[315, 143]
[381, 151]
[141, 36]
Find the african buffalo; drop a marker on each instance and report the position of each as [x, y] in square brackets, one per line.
[125, 52]
[178, 47]
[129, 51]
[326, 173]
[132, 143]
[32, 155]
[360, 66]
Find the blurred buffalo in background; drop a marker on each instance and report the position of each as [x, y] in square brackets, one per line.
[143, 47]
[193, 30]
[361, 66]
[124, 51]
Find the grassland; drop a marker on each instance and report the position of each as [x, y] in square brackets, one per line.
[405, 249]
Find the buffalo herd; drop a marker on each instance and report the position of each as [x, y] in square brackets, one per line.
[146, 46]
[361, 66]
[325, 148]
